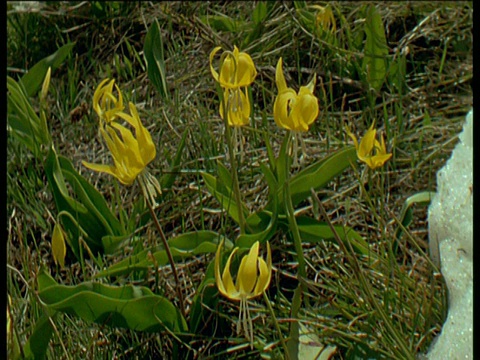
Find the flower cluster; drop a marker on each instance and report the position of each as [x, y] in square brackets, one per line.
[131, 153]
[236, 73]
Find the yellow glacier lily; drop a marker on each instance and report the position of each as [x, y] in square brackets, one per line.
[237, 105]
[131, 154]
[236, 69]
[294, 111]
[370, 150]
[105, 104]
[253, 278]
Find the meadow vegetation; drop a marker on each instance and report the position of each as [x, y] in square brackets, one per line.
[349, 273]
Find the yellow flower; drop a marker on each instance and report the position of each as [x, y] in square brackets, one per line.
[131, 154]
[105, 104]
[236, 69]
[371, 151]
[294, 111]
[237, 105]
[253, 278]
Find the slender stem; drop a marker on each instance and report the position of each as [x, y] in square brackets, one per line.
[233, 164]
[277, 326]
[166, 246]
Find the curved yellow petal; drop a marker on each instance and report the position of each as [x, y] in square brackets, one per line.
[282, 108]
[232, 291]
[265, 275]
[366, 144]
[212, 69]
[247, 272]
[246, 72]
[218, 278]
[279, 77]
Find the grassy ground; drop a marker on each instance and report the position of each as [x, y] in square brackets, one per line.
[421, 113]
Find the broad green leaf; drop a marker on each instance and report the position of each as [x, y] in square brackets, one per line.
[376, 50]
[224, 194]
[406, 214]
[37, 344]
[312, 230]
[88, 209]
[133, 307]
[183, 246]
[91, 198]
[154, 56]
[33, 80]
[222, 23]
[247, 240]
[319, 174]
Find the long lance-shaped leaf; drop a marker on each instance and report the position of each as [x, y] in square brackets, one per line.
[224, 194]
[183, 246]
[319, 174]
[154, 56]
[376, 50]
[35, 76]
[312, 230]
[132, 307]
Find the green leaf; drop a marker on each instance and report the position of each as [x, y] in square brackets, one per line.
[32, 81]
[224, 195]
[260, 12]
[247, 240]
[133, 307]
[23, 121]
[319, 174]
[154, 56]
[376, 50]
[37, 344]
[87, 208]
[406, 214]
[183, 246]
[222, 23]
[312, 230]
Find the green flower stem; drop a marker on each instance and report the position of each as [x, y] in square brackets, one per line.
[406, 353]
[277, 326]
[233, 164]
[166, 246]
[290, 212]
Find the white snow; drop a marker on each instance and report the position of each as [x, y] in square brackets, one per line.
[450, 218]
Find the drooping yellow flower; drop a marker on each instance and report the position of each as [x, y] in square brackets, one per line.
[105, 104]
[370, 150]
[253, 278]
[294, 111]
[236, 69]
[131, 153]
[237, 104]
